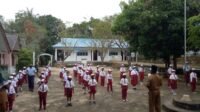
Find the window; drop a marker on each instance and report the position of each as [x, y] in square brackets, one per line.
[82, 53]
[113, 53]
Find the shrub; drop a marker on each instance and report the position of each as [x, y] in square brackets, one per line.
[24, 58]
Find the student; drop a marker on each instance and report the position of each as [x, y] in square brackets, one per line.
[134, 78]
[169, 72]
[141, 73]
[42, 93]
[193, 80]
[102, 76]
[109, 80]
[124, 87]
[11, 95]
[75, 70]
[69, 88]
[92, 84]
[173, 82]
[122, 70]
[97, 73]
[86, 78]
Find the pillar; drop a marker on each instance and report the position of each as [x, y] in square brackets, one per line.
[56, 55]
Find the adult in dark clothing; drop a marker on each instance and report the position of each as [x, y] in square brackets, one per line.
[154, 83]
[31, 71]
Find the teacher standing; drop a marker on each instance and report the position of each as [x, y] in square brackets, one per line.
[31, 71]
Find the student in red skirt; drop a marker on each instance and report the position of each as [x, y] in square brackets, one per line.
[20, 80]
[122, 70]
[11, 95]
[24, 72]
[92, 84]
[134, 78]
[69, 89]
[75, 71]
[109, 80]
[86, 78]
[169, 72]
[102, 76]
[61, 72]
[42, 93]
[80, 72]
[141, 73]
[97, 73]
[124, 87]
[193, 80]
[173, 82]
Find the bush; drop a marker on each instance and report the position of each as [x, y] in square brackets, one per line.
[24, 58]
[4, 71]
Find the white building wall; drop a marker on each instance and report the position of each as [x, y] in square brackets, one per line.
[74, 57]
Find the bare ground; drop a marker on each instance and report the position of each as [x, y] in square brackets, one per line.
[105, 102]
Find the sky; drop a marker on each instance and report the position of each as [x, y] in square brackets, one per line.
[69, 11]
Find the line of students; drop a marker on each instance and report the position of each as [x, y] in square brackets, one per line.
[190, 77]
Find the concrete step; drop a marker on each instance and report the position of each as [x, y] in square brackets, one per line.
[169, 107]
[191, 105]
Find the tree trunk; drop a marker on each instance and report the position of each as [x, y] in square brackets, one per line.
[174, 62]
[167, 62]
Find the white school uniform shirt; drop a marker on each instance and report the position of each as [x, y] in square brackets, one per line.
[46, 73]
[69, 84]
[80, 71]
[86, 77]
[134, 72]
[124, 81]
[75, 68]
[193, 75]
[20, 76]
[140, 69]
[130, 68]
[173, 76]
[102, 73]
[24, 72]
[65, 77]
[83, 73]
[169, 70]
[62, 70]
[43, 88]
[13, 83]
[122, 69]
[109, 76]
[92, 82]
[11, 90]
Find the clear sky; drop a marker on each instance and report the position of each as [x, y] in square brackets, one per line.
[73, 11]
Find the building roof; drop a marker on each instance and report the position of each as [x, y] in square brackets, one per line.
[86, 42]
[13, 42]
[4, 45]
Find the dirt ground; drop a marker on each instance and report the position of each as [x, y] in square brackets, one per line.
[105, 102]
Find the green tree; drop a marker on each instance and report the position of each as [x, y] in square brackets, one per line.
[24, 58]
[194, 32]
[55, 30]
[153, 27]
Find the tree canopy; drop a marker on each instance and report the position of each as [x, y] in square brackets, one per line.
[154, 28]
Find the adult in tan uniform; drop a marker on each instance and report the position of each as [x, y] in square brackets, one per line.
[154, 83]
[3, 95]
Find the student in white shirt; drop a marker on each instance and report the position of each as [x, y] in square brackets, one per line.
[193, 80]
[173, 82]
[69, 89]
[86, 78]
[42, 92]
[109, 80]
[124, 87]
[11, 95]
[102, 76]
[122, 70]
[92, 84]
